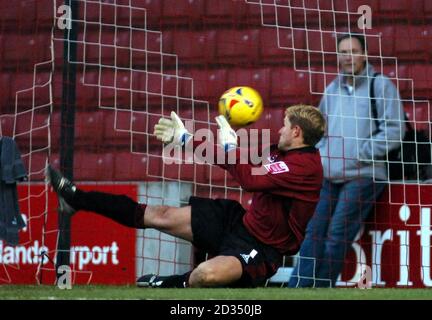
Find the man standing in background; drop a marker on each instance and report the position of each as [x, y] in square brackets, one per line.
[353, 153]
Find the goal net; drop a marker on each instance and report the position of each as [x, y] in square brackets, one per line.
[138, 60]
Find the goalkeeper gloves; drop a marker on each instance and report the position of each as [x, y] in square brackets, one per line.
[172, 131]
[227, 136]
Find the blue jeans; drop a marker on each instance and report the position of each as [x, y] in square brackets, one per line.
[339, 215]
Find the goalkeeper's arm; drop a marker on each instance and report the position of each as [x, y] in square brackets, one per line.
[172, 131]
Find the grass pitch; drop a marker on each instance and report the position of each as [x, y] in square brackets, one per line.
[91, 292]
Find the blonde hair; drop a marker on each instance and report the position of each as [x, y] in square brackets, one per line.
[310, 120]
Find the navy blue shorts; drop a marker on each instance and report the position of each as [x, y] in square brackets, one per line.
[218, 229]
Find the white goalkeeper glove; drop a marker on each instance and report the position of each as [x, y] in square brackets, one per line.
[227, 136]
[172, 131]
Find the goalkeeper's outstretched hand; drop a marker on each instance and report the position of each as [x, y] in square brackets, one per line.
[172, 130]
[227, 136]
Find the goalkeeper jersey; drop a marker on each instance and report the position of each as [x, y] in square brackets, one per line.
[284, 196]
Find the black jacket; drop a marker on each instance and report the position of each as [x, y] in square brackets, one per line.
[12, 170]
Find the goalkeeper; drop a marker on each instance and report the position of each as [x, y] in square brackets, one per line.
[247, 245]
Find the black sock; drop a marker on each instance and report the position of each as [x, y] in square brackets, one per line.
[119, 208]
[177, 281]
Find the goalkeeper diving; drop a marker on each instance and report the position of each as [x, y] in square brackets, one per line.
[246, 246]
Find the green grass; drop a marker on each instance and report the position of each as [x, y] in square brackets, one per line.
[130, 292]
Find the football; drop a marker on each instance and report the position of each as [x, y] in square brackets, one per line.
[241, 106]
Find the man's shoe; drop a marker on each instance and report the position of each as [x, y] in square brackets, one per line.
[155, 281]
[62, 186]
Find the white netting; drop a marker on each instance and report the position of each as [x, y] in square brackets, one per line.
[138, 60]
[28, 123]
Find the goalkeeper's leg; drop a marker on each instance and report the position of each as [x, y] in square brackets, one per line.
[122, 209]
[220, 271]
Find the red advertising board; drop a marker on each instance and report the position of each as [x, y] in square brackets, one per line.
[102, 251]
[396, 242]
